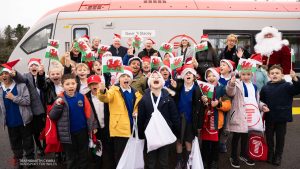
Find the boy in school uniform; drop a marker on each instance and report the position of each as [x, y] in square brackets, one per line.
[75, 121]
[122, 100]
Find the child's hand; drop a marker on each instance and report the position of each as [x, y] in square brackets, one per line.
[293, 75]
[240, 52]
[204, 99]
[148, 75]
[59, 101]
[134, 114]
[102, 87]
[13, 73]
[195, 63]
[173, 83]
[265, 108]
[129, 42]
[41, 69]
[95, 131]
[67, 59]
[233, 78]
[214, 103]
[9, 96]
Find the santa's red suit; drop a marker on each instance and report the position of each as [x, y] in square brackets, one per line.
[274, 50]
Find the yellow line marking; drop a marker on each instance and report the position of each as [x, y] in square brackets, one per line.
[296, 110]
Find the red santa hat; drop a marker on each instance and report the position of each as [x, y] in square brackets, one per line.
[230, 63]
[127, 71]
[146, 59]
[7, 67]
[184, 37]
[86, 37]
[150, 79]
[215, 71]
[93, 79]
[151, 40]
[188, 68]
[34, 61]
[204, 37]
[267, 30]
[108, 53]
[116, 37]
[257, 58]
[166, 65]
[135, 58]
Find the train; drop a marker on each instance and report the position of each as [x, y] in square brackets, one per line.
[161, 20]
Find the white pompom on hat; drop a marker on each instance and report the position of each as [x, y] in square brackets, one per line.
[150, 79]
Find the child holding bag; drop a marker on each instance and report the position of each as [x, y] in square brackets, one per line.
[157, 96]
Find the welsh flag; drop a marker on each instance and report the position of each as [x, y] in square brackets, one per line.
[156, 62]
[54, 43]
[86, 53]
[201, 47]
[102, 49]
[206, 88]
[166, 47]
[293, 57]
[246, 65]
[137, 41]
[112, 64]
[176, 62]
[52, 53]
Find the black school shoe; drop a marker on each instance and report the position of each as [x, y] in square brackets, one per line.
[235, 163]
[277, 160]
[247, 161]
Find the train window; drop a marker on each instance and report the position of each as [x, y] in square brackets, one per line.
[79, 32]
[38, 40]
[294, 41]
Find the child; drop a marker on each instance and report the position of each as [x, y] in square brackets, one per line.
[75, 120]
[190, 109]
[122, 100]
[139, 80]
[146, 66]
[243, 92]
[15, 109]
[226, 67]
[168, 110]
[38, 110]
[82, 72]
[166, 72]
[278, 96]
[213, 119]
[260, 78]
[97, 70]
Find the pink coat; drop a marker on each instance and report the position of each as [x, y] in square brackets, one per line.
[237, 118]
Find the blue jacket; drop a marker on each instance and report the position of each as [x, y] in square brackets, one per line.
[279, 98]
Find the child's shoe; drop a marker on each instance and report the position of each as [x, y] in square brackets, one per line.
[234, 163]
[247, 161]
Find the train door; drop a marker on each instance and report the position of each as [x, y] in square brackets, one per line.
[77, 32]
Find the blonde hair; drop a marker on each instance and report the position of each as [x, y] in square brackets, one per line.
[81, 65]
[232, 36]
[54, 64]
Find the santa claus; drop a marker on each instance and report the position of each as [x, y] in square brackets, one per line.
[273, 49]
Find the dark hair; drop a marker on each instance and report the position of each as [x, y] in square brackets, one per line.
[276, 67]
[188, 45]
[66, 77]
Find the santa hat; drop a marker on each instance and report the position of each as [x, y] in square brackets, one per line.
[85, 37]
[215, 71]
[127, 71]
[93, 79]
[107, 54]
[204, 37]
[257, 58]
[166, 65]
[7, 67]
[188, 68]
[146, 59]
[135, 58]
[230, 63]
[150, 79]
[184, 38]
[267, 30]
[34, 61]
[152, 41]
[116, 37]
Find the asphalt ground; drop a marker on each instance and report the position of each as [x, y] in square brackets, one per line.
[290, 160]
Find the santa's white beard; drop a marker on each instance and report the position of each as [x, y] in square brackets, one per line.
[267, 45]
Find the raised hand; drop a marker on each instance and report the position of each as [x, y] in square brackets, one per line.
[41, 69]
[240, 52]
[233, 78]
[102, 87]
[293, 75]
[173, 83]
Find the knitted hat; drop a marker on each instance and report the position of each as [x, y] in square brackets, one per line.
[116, 37]
[230, 63]
[135, 58]
[127, 71]
[94, 79]
[7, 67]
[146, 59]
[215, 71]
[204, 37]
[150, 79]
[35, 61]
[257, 58]
[188, 68]
[166, 65]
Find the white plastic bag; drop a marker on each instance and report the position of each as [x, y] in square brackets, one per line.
[195, 159]
[133, 157]
[158, 132]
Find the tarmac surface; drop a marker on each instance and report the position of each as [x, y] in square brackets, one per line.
[290, 160]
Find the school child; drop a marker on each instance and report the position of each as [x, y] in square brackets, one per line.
[82, 72]
[146, 66]
[75, 121]
[122, 100]
[213, 119]
[167, 108]
[139, 81]
[16, 114]
[260, 77]
[166, 72]
[278, 96]
[101, 114]
[190, 109]
[97, 70]
[243, 92]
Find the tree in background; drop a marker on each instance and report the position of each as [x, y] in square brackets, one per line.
[9, 38]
